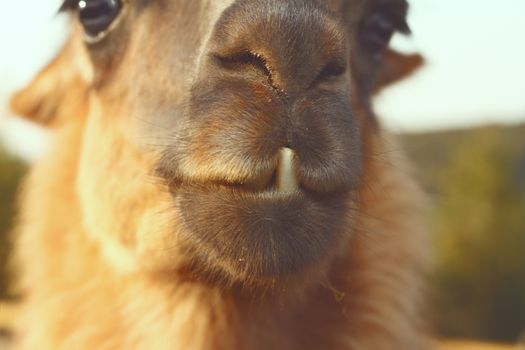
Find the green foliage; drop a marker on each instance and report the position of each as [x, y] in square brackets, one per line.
[477, 180]
[11, 171]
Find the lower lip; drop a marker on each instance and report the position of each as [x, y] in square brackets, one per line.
[245, 191]
[223, 222]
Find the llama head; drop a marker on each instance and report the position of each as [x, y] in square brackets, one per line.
[221, 140]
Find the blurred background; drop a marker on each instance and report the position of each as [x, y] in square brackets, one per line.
[461, 118]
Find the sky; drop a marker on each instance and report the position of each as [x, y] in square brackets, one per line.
[474, 72]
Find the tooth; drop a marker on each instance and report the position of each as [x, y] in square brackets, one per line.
[286, 172]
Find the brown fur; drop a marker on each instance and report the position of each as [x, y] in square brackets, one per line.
[115, 257]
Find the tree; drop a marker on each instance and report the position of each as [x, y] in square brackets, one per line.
[11, 172]
[480, 236]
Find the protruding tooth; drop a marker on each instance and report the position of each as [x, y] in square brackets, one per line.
[287, 181]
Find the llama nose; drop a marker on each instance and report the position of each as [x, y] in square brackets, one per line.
[292, 44]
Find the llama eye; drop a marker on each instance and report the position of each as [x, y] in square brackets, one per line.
[378, 29]
[97, 17]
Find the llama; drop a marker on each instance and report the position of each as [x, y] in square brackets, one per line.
[218, 180]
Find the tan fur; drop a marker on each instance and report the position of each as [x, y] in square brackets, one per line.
[101, 267]
[373, 298]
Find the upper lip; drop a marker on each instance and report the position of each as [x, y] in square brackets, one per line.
[283, 180]
[282, 174]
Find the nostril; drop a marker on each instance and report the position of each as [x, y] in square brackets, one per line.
[248, 60]
[329, 71]
[242, 60]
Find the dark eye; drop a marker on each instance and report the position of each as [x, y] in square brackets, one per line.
[97, 16]
[378, 29]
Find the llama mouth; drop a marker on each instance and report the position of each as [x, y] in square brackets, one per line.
[282, 182]
[269, 227]
[252, 235]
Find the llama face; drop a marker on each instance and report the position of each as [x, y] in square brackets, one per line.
[226, 138]
[266, 156]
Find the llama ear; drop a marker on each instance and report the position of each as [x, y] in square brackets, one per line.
[57, 93]
[397, 66]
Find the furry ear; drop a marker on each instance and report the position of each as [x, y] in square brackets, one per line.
[57, 93]
[397, 66]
